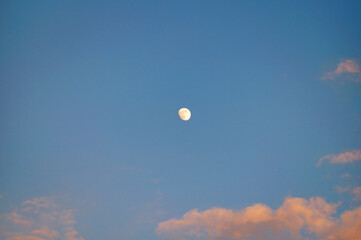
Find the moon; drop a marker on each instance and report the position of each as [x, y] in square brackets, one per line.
[184, 114]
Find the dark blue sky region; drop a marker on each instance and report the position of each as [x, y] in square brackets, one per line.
[90, 93]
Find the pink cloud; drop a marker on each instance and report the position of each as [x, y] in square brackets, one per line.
[345, 157]
[41, 219]
[348, 68]
[19, 236]
[46, 232]
[17, 218]
[296, 219]
[41, 202]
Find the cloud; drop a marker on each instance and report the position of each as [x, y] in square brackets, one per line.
[46, 232]
[40, 219]
[345, 157]
[19, 236]
[17, 218]
[296, 219]
[348, 68]
[357, 193]
[346, 175]
[340, 189]
[41, 202]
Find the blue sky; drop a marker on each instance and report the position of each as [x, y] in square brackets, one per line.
[90, 93]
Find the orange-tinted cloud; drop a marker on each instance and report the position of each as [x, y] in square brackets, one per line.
[17, 218]
[41, 202]
[348, 68]
[41, 219]
[345, 157]
[19, 236]
[296, 219]
[46, 232]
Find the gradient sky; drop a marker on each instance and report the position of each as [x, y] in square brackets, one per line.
[89, 100]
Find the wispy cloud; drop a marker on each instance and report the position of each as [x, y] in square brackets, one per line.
[297, 219]
[41, 202]
[356, 193]
[346, 175]
[354, 190]
[46, 232]
[345, 157]
[19, 236]
[17, 218]
[41, 219]
[340, 189]
[347, 68]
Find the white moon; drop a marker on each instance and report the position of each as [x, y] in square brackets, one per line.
[184, 114]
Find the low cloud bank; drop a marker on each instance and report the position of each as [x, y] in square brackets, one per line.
[296, 219]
